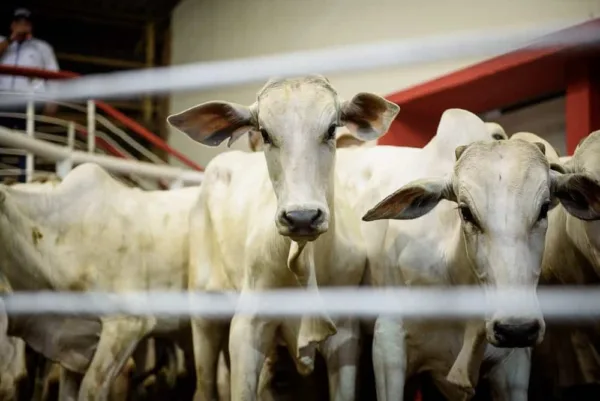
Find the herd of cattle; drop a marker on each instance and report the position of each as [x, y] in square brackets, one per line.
[470, 208]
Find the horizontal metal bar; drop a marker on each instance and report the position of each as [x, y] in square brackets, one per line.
[15, 139]
[410, 302]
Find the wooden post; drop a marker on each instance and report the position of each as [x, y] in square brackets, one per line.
[150, 46]
[163, 101]
[582, 114]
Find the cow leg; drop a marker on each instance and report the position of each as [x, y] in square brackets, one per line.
[341, 352]
[509, 380]
[223, 380]
[389, 359]
[68, 386]
[465, 370]
[250, 340]
[118, 339]
[208, 336]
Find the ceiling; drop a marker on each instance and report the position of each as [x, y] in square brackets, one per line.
[94, 36]
[99, 36]
[124, 11]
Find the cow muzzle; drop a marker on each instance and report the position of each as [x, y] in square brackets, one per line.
[515, 333]
[302, 224]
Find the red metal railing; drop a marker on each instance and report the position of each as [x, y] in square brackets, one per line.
[134, 126]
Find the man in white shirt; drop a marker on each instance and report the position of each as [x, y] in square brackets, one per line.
[22, 49]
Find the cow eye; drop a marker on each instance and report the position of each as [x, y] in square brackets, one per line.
[265, 136]
[544, 211]
[330, 133]
[467, 215]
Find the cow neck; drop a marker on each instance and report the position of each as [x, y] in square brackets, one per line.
[568, 245]
[28, 266]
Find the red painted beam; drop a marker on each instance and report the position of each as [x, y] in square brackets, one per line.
[467, 78]
[37, 73]
[495, 83]
[582, 106]
[410, 129]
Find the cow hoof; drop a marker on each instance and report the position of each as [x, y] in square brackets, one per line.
[462, 383]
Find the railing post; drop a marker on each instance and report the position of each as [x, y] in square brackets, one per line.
[91, 126]
[63, 167]
[30, 127]
[150, 50]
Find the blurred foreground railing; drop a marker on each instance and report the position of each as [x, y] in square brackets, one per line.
[557, 303]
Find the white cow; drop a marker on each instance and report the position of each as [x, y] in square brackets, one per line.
[433, 249]
[344, 139]
[496, 130]
[48, 375]
[91, 233]
[569, 355]
[550, 151]
[449, 134]
[264, 225]
[12, 352]
[13, 368]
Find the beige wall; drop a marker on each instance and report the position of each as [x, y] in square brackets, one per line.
[546, 119]
[206, 30]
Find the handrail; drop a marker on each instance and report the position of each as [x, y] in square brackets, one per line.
[48, 150]
[78, 128]
[106, 123]
[128, 122]
[104, 141]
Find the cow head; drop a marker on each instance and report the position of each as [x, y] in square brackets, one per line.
[550, 151]
[503, 191]
[297, 120]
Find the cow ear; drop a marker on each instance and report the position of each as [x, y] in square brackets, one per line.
[541, 147]
[368, 116]
[496, 131]
[459, 151]
[558, 168]
[579, 195]
[412, 200]
[212, 122]
[347, 141]
[255, 141]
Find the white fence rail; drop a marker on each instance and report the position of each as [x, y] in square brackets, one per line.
[15, 139]
[342, 59]
[409, 302]
[96, 128]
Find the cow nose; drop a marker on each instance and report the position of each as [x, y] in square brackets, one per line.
[517, 334]
[302, 219]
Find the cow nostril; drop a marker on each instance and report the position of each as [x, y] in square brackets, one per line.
[285, 217]
[499, 330]
[302, 219]
[531, 329]
[516, 331]
[317, 216]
